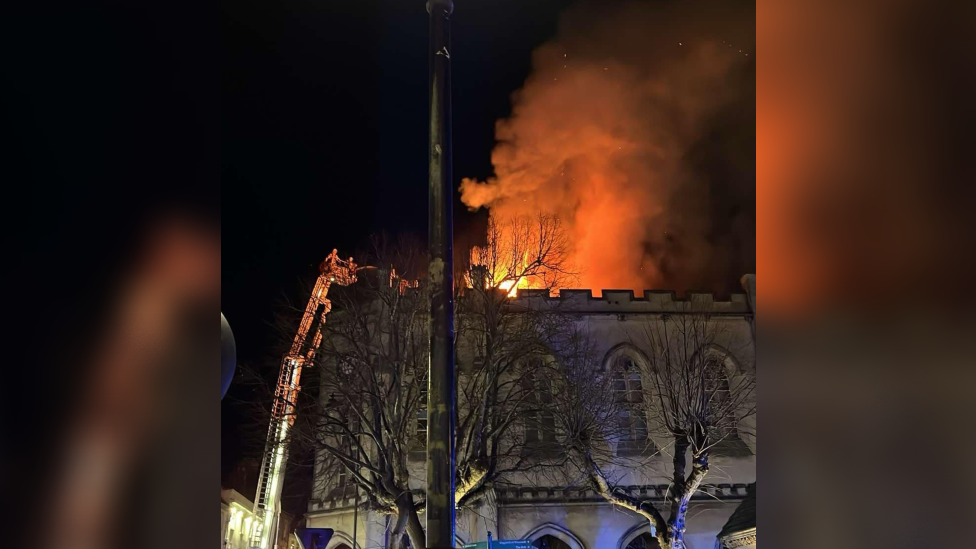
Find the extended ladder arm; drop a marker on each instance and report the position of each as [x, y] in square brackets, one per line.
[267, 504]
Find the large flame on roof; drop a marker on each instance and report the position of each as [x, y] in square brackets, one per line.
[522, 252]
[503, 279]
[635, 129]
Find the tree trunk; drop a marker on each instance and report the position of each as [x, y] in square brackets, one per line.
[398, 530]
[407, 509]
[644, 508]
[685, 488]
[418, 538]
[676, 534]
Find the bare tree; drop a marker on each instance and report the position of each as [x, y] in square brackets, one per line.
[691, 399]
[501, 344]
[521, 252]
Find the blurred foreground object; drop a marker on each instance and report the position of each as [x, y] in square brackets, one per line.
[870, 429]
[142, 400]
[864, 160]
[228, 355]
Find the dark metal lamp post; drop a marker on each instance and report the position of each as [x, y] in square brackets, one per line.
[440, 273]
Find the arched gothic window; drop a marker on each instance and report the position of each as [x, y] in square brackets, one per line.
[343, 485]
[723, 417]
[628, 392]
[540, 424]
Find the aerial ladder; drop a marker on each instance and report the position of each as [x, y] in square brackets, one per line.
[267, 502]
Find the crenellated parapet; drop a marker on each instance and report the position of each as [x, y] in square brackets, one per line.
[625, 302]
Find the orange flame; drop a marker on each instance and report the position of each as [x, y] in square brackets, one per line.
[501, 278]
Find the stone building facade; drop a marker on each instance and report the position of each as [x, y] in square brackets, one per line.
[560, 517]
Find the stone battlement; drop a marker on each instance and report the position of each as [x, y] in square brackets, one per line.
[624, 301]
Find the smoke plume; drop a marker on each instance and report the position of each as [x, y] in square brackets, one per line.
[636, 127]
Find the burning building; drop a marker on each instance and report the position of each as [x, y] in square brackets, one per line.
[552, 503]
